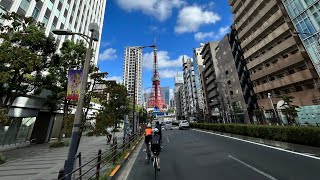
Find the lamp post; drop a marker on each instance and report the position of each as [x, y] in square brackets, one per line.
[76, 134]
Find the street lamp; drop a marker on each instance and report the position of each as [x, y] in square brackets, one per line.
[76, 135]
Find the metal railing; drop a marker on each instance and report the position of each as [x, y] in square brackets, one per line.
[103, 159]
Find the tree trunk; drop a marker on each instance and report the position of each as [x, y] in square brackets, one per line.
[65, 114]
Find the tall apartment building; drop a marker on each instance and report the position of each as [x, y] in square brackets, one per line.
[132, 72]
[189, 87]
[276, 59]
[178, 95]
[198, 68]
[232, 80]
[211, 95]
[75, 15]
[305, 15]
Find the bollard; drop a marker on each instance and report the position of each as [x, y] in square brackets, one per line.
[61, 175]
[98, 164]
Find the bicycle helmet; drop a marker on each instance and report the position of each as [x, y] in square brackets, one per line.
[156, 130]
[149, 125]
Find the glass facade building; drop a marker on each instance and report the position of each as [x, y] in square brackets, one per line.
[305, 15]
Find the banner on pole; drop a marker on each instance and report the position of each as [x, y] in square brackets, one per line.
[74, 84]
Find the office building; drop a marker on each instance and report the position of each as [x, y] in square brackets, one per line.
[198, 68]
[75, 15]
[305, 15]
[29, 117]
[132, 72]
[166, 94]
[276, 59]
[209, 75]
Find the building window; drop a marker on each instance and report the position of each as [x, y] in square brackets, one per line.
[35, 13]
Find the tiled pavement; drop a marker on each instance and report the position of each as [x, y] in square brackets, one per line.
[39, 162]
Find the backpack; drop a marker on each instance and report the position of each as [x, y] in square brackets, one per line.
[155, 139]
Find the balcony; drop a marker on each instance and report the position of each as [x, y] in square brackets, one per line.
[208, 72]
[210, 79]
[248, 14]
[288, 43]
[236, 6]
[214, 93]
[266, 26]
[285, 81]
[211, 86]
[271, 38]
[231, 2]
[284, 63]
[262, 16]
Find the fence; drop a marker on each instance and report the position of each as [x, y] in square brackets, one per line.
[103, 160]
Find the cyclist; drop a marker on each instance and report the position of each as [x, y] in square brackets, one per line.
[155, 146]
[147, 139]
[158, 126]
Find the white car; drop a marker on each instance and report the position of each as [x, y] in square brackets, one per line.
[184, 124]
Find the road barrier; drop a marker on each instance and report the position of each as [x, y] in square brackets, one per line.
[105, 160]
[293, 134]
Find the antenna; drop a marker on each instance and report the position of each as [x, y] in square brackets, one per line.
[155, 38]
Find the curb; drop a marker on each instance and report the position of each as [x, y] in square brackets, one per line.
[116, 170]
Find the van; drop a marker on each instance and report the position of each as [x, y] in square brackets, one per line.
[168, 124]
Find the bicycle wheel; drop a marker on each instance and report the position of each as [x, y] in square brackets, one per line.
[155, 167]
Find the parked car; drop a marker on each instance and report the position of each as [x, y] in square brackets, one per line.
[184, 124]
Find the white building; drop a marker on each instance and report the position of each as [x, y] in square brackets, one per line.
[75, 15]
[132, 58]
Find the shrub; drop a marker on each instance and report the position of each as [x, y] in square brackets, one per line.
[293, 134]
[90, 133]
[2, 158]
[115, 130]
[58, 144]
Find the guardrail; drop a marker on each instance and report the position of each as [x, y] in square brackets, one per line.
[103, 159]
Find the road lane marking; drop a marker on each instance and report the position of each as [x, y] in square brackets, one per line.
[168, 139]
[264, 145]
[253, 168]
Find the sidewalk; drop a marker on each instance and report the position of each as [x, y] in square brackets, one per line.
[39, 162]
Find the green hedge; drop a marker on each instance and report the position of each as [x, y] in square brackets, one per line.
[175, 124]
[293, 134]
[58, 144]
[2, 158]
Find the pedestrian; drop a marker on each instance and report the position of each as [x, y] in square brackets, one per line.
[109, 135]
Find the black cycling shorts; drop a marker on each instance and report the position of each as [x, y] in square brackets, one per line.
[155, 148]
[147, 139]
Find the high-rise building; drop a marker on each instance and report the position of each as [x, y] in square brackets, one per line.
[210, 90]
[190, 107]
[75, 15]
[233, 80]
[305, 15]
[276, 59]
[166, 94]
[132, 72]
[178, 95]
[198, 68]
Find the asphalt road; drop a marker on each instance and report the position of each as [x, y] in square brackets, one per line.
[189, 154]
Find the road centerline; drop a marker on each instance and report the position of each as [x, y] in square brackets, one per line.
[253, 168]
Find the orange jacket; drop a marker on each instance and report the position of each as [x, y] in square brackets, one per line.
[148, 131]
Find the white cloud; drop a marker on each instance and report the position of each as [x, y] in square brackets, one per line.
[223, 31]
[160, 9]
[167, 73]
[190, 18]
[115, 78]
[200, 36]
[163, 58]
[108, 54]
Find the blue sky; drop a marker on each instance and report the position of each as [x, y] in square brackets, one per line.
[180, 25]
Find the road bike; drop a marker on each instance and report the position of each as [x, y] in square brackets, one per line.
[156, 163]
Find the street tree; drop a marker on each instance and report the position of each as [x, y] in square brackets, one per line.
[26, 54]
[290, 110]
[115, 104]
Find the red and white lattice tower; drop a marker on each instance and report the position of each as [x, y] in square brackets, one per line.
[155, 99]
